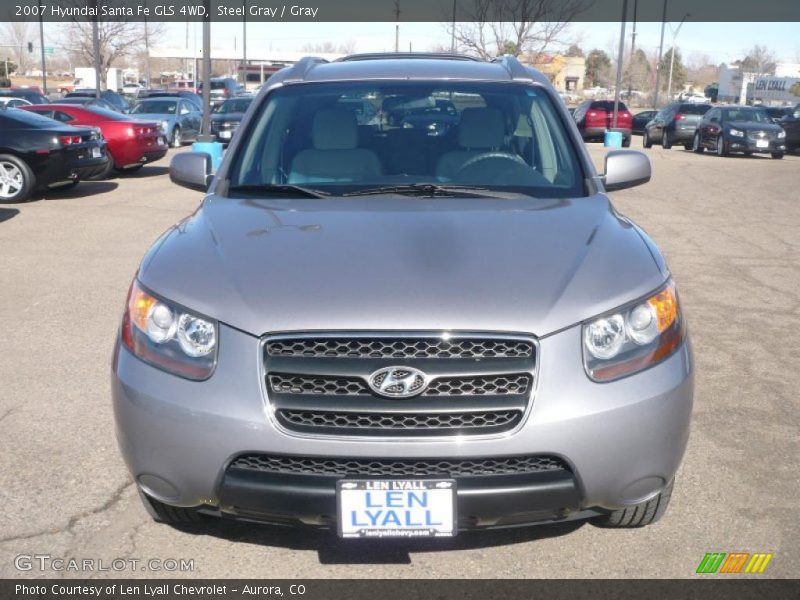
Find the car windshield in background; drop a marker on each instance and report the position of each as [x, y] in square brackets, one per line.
[741, 115]
[694, 109]
[109, 115]
[158, 107]
[608, 105]
[344, 137]
[234, 106]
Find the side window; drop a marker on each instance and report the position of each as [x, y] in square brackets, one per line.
[61, 116]
[45, 113]
[184, 110]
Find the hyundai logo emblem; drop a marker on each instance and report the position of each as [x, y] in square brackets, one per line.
[398, 382]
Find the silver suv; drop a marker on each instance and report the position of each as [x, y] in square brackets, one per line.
[405, 307]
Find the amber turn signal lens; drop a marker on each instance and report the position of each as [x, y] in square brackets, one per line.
[665, 305]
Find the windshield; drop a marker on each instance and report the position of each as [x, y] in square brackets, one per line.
[741, 115]
[109, 115]
[158, 107]
[234, 106]
[347, 136]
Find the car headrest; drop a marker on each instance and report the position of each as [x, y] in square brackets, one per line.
[481, 128]
[335, 129]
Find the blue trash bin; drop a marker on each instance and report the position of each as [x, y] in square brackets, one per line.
[213, 149]
[613, 139]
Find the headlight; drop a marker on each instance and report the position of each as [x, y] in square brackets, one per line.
[634, 337]
[736, 132]
[781, 135]
[169, 336]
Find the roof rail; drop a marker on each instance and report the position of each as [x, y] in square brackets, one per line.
[514, 67]
[302, 68]
[406, 55]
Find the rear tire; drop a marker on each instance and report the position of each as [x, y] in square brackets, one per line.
[16, 179]
[176, 140]
[646, 141]
[697, 147]
[626, 142]
[638, 515]
[666, 143]
[721, 147]
[105, 173]
[172, 515]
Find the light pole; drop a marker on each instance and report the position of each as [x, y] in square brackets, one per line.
[244, 42]
[44, 62]
[660, 50]
[672, 54]
[619, 63]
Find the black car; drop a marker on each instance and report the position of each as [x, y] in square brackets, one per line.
[88, 101]
[776, 113]
[116, 100]
[37, 152]
[674, 124]
[196, 100]
[226, 117]
[221, 89]
[745, 129]
[791, 125]
[641, 119]
[31, 96]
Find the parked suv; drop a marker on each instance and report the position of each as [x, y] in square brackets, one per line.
[222, 88]
[400, 332]
[674, 124]
[595, 117]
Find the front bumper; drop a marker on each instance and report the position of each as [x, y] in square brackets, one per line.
[749, 145]
[594, 133]
[622, 442]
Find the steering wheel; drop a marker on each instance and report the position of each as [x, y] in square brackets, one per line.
[497, 165]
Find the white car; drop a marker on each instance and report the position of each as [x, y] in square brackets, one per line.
[131, 89]
[13, 102]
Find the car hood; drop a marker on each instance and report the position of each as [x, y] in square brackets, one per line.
[402, 263]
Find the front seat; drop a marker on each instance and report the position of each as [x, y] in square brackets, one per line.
[335, 157]
[481, 130]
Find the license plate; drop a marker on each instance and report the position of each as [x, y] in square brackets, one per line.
[407, 508]
[762, 143]
[95, 152]
[225, 135]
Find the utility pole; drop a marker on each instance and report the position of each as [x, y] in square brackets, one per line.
[619, 62]
[660, 50]
[397, 26]
[672, 55]
[146, 50]
[244, 43]
[453, 31]
[44, 62]
[98, 66]
[633, 51]
[205, 129]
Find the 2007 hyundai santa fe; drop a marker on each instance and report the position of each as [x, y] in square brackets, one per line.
[405, 307]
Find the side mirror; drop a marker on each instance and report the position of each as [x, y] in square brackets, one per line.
[191, 170]
[625, 169]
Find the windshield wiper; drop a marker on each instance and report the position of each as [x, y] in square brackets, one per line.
[281, 189]
[431, 190]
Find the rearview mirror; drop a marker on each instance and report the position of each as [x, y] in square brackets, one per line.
[191, 170]
[625, 169]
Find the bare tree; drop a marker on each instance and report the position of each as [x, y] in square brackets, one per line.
[329, 47]
[516, 27]
[18, 35]
[759, 60]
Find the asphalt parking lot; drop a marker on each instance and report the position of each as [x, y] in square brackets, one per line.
[729, 229]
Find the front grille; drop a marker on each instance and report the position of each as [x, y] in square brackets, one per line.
[467, 384]
[760, 135]
[514, 384]
[396, 347]
[416, 423]
[366, 467]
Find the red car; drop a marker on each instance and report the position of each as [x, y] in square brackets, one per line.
[130, 143]
[595, 117]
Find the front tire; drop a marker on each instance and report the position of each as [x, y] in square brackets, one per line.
[721, 151]
[666, 143]
[777, 155]
[638, 515]
[177, 139]
[16, 179]
[646, 141]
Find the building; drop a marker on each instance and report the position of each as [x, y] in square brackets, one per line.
[566, 73]
[783, 88]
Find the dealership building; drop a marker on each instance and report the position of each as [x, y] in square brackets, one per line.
[781, 89]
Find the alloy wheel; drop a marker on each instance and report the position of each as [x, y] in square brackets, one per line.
[11, 180]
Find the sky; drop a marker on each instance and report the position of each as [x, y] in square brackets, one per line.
[722, 42]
